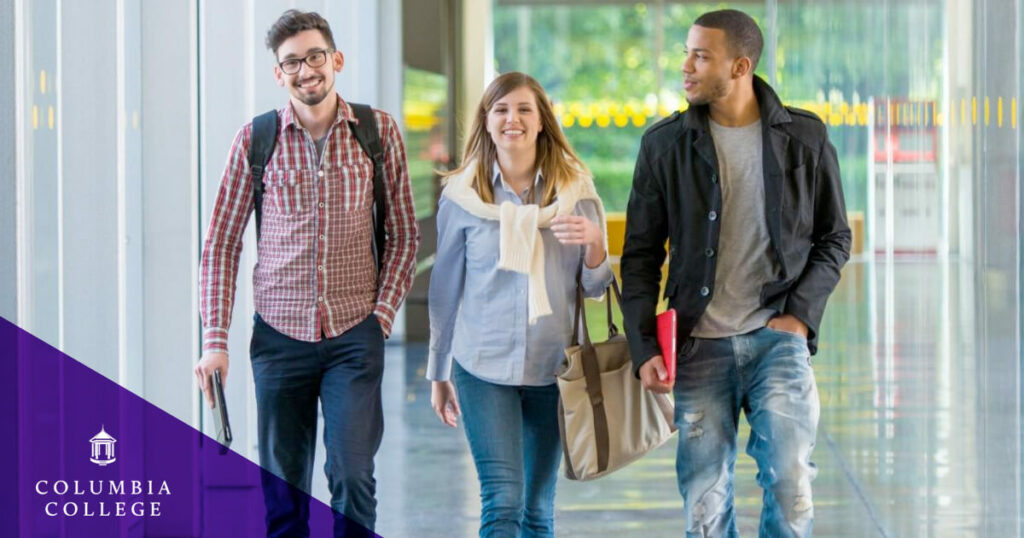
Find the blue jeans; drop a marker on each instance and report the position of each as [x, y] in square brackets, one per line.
[345, 374]
[767, 374]
[513, 435]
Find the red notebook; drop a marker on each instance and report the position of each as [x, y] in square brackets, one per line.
[667, 340]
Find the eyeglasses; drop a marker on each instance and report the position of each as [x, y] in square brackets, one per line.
[313, 59]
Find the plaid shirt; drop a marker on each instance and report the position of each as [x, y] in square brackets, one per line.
[315, 272]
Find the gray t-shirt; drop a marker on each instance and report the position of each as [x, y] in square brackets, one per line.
[745, 259]
[320, 143]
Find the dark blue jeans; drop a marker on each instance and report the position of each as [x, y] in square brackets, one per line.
[344, 373]
[513, 435]
[767, 374]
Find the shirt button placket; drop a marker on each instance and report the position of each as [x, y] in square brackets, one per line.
[322, 219]
[321, 189]
[709, 252]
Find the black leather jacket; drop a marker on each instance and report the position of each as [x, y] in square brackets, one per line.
[676, 196]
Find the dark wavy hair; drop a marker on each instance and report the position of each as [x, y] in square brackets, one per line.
[294, 21]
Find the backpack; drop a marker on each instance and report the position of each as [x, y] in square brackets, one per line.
[261, 148]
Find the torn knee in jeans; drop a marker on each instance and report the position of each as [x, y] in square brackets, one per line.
[699, 510]
[798, 507]
[694, 428]
[802, 503]
[709, 508]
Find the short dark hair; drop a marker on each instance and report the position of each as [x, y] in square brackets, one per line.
[741, 32]
[294, 21]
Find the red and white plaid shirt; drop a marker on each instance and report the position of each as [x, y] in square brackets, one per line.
[315, 272]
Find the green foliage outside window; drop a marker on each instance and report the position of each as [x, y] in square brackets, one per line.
[825, 52]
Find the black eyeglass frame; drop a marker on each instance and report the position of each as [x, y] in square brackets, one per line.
[307, 59]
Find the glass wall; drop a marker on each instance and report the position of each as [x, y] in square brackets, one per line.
[426, 131]
[920, 362]
[119, 161]
[614, 70]
[611, 68]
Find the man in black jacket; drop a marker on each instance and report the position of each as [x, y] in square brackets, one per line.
[747, 193]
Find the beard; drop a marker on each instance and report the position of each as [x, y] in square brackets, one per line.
[716, 88]
[314, 98]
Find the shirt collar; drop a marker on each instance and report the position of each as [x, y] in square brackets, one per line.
[289, 117]
[498, 181]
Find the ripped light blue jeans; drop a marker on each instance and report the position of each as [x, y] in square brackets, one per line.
[767, 374]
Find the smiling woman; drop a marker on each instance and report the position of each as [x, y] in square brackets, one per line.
[519, 224]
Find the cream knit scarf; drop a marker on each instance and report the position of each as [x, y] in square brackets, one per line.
[521, 247]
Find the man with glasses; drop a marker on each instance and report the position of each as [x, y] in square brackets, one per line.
[323, 308]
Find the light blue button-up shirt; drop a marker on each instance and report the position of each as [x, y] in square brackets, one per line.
[478, 313]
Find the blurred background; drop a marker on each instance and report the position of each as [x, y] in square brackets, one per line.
[121, 113]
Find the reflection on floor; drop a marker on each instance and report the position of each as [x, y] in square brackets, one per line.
[918, 438]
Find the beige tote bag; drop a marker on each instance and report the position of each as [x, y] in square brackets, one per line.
[606, 418]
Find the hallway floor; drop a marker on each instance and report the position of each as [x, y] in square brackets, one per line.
[918, 438]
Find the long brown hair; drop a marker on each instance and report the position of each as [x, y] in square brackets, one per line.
[556, 159]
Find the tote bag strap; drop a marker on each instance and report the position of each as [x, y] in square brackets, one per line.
[592, 376]
[612, 329]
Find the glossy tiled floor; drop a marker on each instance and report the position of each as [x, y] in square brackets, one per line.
[918, 436]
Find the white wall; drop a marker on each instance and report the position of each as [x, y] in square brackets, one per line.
[168, 123]
[116, 195]
[8, 169]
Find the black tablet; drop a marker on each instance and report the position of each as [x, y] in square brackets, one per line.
[221, 424]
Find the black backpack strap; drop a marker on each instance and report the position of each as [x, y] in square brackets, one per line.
[261, 147]
[365, 131]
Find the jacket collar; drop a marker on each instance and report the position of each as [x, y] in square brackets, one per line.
[775, 143]
[772, 110]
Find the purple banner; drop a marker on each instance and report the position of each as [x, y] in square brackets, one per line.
[86, 457]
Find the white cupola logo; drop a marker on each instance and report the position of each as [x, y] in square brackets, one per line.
[102, 448]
